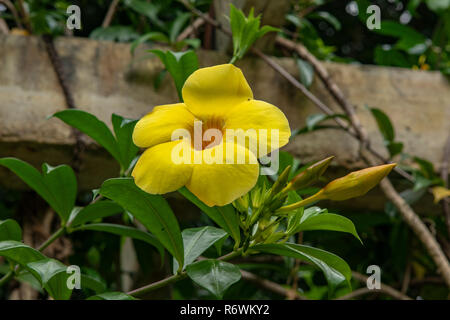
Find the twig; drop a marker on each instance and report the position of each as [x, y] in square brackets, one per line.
[25, 16]
[3, 26]
[406, 279]
[191, 29]
[270, 285]
[384, 287]
[13, 10]
[444, 177]
[110, 13]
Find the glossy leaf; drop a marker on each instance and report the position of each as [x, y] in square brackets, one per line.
[306, 72]
[179, 64]
[112, 296]
[93, 127]
[125, 231]
[57, 186]
[196, 241]
[328, 221]
[151, 210]
[92, 283]
[214, 275]
[10, 230]
[334, 268]
[19, 252]
[123, 129]
[94, 211]
[226, 217]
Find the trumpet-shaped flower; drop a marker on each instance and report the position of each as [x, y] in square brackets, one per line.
[234, 130]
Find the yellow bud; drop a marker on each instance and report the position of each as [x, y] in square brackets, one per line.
[353, 185]
[310, 174]
[440, 193]
[356, 183]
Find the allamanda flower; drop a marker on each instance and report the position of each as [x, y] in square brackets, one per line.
[220, 100]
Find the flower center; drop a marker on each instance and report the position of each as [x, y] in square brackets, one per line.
[207, 133]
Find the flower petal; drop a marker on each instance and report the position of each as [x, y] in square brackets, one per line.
[157, 126]
[157, 173]
[257, 115]
[218, 184]
[215, 90]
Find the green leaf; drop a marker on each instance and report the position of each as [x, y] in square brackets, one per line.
[335, 269]
[196, 241]
[179, 64]
[56, 185]
[328, 17]
[19, 252]
[384, 124]
[10, 230]
[154, 36]
[114, 33]
[112, 296]
[125, 231]
[214, 275]
[148, 9]
[93, 127]
[306, 71]
[177, 25]
[52, 275]
[95, 211]
[62, 184]
[328, 221]
[295, 216]
[151, 210]
[92, 283]
[313, 120]
[225, 217]
[426, 167]
[123, 129]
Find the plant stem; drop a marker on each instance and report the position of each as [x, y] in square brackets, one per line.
[6, 278]
[50, 240]
[176, 277]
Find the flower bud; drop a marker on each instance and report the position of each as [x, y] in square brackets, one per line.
[356, 183]
[281, 181]
[310, 174]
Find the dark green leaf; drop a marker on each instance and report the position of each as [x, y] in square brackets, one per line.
[334, 268]
[214, 275]
[151, 210]
[93, 127]
[112, 296]
[384, 124]
[306, 71]
[114, 33]
[196, 241]
[19, 252]
[328, 221]
[92, 283]
[10, 230]
[226, 217]
[95, 211]
[328, 17]
[125, 231]
[179, 64]
[154, 36]
[123, 129]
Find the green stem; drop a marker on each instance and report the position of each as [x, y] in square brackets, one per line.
[6, 278]
[50, 240]
[175, 278]
[233, 60]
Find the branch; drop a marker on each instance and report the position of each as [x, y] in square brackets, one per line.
[191, 29]
[270, 285]
[13, 10]
[25, 16]
[444, 177]
[384, 288]
[110, 13]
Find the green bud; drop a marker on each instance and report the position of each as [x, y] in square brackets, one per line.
[281, 181]
[310, 174]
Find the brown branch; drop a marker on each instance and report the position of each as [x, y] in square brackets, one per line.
[384, 287]
[3, 26]
[25, 16]
[444, 177]
[406, 211]
[110, 13]
[13, 10]
[270, 285]
[191, 29]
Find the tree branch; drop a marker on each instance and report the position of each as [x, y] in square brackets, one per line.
[444, 177]
[110, 13]
[384, 288]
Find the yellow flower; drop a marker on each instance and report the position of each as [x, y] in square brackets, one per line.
[221, 99]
